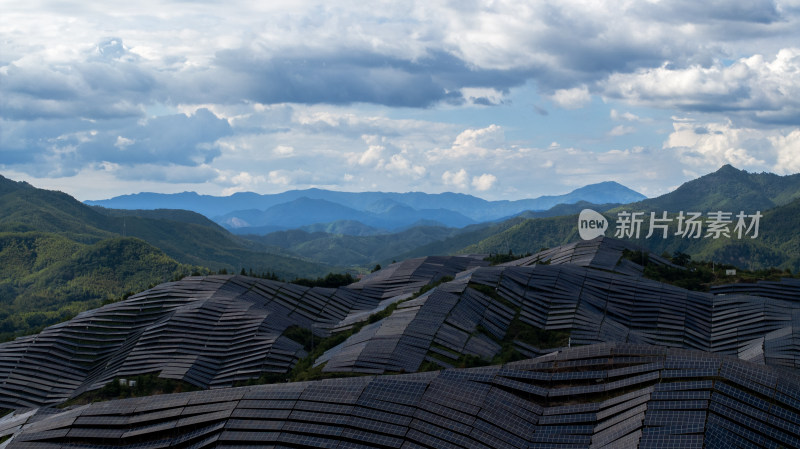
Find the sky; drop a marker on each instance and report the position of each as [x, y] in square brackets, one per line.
[498, 99]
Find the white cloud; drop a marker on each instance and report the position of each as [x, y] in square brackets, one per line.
[372, 156]
[289, 89]
[279, 177]
[244, 178]
[754, 87]
[456, 179]
[484, 182]
[708, 146]
[123, 142]
[482, 95]
[703, 146]
[472, 143]
[574, 98]
[621, 130]
[627, 116]
[400, 165]
[788, 148]
[239, 181]
[162, 173]
[489, 137]
[283, 150]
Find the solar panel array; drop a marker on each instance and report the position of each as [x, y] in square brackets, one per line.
[209, 331]
[601, 253]
[651, 366]
[788, 289]
[411, 274]
[445, 322]
[586, 289]
[598, 396]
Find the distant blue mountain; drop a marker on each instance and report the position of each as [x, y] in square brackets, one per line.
[375, 209]
[604, 192]
[292, 214]
[307, 211]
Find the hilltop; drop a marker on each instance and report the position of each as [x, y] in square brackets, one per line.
[727, 189]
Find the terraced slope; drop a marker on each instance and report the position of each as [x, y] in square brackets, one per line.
[584, 294]
[208, 331]
[650, 365]
[598, 396]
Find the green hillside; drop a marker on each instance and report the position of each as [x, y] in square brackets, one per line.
[367, 250]
[187, 237]
[190, 238]
[350, 250]
[777, 246]
[179, 215]
[46, 278]
[528, 236]
[59, 257]
[457, 243]
[778, 243]
[26, 208]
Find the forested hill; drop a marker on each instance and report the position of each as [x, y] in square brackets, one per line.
[185, 236]
[59, 256]
[46, 278]
[26, 208]
[51, 249]
[728, 189]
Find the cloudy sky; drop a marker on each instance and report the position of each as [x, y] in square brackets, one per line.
[499, 99]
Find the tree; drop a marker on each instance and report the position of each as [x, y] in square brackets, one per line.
[680, 258]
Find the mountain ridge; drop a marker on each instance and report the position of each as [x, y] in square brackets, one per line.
[306, 211]
[776, 197]
[476, 209]
[727, 189]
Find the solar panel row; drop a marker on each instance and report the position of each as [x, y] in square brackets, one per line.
[210, 331]
[516, 405]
